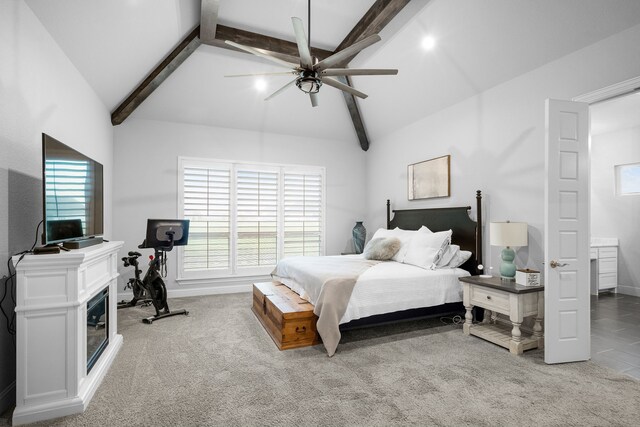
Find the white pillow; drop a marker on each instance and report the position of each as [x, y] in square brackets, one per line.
[458, 259]
[425, 229]
[425, 249]
[448, 255]
[405, 237]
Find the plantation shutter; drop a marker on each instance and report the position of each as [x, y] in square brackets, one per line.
[207, 204]
[245, 217]
[67, 187]
[256, 218]
[303, 208]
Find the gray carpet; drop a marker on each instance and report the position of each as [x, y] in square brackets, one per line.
[219, 367]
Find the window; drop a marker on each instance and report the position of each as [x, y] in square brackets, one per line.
[302, 214]
[628, 179]
[245, 217]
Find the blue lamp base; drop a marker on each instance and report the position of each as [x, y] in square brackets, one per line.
[507, 267]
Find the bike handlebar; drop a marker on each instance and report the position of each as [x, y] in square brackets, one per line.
[132, 259]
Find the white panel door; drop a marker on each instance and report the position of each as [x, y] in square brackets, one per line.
[566, 241]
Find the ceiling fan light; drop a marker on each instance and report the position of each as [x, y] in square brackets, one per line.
[309, 84]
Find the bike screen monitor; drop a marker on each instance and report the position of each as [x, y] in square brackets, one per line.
[159, 232]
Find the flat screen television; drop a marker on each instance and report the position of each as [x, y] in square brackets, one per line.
[72, 189]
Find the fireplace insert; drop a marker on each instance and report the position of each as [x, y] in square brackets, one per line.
[97, 326]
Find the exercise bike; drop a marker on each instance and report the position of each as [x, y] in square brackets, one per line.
[151, 289]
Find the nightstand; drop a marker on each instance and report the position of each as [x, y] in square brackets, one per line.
[496, 295]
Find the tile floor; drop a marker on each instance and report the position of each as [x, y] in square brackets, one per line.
[615, 332]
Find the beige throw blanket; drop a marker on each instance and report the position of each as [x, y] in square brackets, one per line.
[328, 283]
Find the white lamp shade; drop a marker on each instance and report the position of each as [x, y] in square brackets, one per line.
[508, 233]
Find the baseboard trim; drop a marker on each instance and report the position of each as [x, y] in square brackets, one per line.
[197, 291]
[629, 290]
[47, 411]
[208, 290]
[8, 397]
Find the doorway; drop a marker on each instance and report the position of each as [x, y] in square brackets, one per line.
[615, 234]
[567, 224]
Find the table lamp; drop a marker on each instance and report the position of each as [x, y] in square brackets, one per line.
[508, 234]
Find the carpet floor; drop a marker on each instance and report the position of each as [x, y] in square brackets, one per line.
[218, 367]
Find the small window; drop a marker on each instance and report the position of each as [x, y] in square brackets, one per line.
[628, 179]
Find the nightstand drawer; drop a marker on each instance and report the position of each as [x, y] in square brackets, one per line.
[490, 299]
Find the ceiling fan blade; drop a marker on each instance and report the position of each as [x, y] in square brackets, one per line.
[208, 20]
[284, 73]
[358, 72]
[314, 99]
[303, 45]
[261, 54]
[279, 91]
[346, 53]
[346, 88]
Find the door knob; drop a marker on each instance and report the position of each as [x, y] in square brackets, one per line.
[554, 264]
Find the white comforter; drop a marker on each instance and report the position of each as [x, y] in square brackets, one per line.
[392, 286]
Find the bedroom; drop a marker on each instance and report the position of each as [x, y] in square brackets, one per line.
[488, 117]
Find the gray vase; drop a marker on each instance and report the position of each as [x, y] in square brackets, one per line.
[359, 234]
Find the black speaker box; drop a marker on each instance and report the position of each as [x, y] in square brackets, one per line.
[83, 243]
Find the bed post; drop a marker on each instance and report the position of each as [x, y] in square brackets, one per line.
[479, 243]
[388, 213]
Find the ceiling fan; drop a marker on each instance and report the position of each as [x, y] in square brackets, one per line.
[310, 73]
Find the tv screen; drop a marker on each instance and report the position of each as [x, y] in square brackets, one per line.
[72, 193]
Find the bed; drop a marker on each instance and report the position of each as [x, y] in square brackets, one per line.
[388, 290]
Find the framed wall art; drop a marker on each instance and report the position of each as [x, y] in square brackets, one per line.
[429, 179]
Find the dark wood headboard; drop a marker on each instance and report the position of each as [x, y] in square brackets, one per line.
[466, 233]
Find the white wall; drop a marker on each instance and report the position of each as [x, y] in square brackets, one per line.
[617, 216]
[496, 142]
[40, 91]
[146, 179]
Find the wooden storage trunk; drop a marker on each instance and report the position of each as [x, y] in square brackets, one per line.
[287, 318]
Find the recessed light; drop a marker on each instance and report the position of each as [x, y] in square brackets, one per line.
[261, 85]
[428, 43]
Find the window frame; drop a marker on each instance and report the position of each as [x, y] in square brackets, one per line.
[618, 177]
[245, 272]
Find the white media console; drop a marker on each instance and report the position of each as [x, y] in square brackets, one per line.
[60, 312]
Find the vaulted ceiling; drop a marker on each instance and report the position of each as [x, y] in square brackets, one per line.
[479, 43]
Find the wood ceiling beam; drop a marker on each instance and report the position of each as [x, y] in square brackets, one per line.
[157, 76]
[283, 49]
[354, 113]
[376, 18]
[208, 19]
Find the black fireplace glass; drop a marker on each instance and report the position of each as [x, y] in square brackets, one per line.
[97, 326]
